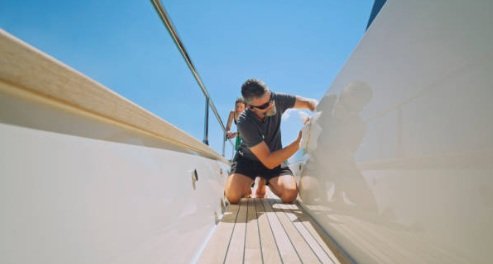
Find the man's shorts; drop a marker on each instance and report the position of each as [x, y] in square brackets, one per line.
[254, 168]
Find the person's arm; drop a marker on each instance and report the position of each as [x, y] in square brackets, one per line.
[230, 120]
[228, 125]
[274, 159]
[305, 103]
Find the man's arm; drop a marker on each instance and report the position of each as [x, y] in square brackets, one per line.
[305, 103]
[274, 159]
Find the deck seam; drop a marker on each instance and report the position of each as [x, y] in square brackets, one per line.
[311, 235]
[231, 235]
[284, 211]
[258, 232]
[334, 247]
[285, 231]
[245, 232]
[272, 232]
[319, 243]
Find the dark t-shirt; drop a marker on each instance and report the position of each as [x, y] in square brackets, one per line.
[253, 131]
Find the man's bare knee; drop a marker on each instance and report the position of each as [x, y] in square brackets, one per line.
[233, 197]
[237, 187]
[289, 195]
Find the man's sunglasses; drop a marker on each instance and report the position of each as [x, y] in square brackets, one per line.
[263, 106]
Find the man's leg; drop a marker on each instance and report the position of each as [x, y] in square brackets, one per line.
[260, 187]
[237, 187]
[285, 187]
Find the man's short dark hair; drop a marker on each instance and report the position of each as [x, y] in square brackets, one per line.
[252, 89]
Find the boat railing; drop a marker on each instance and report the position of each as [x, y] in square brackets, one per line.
[209, 103]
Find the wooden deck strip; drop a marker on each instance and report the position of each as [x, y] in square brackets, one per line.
[268, 231]
[335, 252]
[253, 252]
[217, 247]
[306, 230]
[268, 246]
[305, 253]
[286, 249]
[236, 249]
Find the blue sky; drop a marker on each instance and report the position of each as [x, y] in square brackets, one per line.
[295, 46]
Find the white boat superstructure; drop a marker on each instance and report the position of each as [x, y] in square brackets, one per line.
[88, 177]
[400, 166]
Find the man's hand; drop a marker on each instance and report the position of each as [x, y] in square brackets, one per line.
[306, 120]
[305, 103]
[312, 104]
[230, 134]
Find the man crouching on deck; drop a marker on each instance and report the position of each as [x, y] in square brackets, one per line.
[261, 153]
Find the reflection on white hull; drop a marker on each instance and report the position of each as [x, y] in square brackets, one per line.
[400, 166]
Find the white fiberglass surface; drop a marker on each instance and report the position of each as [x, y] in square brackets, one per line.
[70, 199]
[88, 177]
[400, 155]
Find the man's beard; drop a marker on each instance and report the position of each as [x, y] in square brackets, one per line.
[272, 111]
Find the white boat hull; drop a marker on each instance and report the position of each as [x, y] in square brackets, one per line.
[400, 166]
[88, 177]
